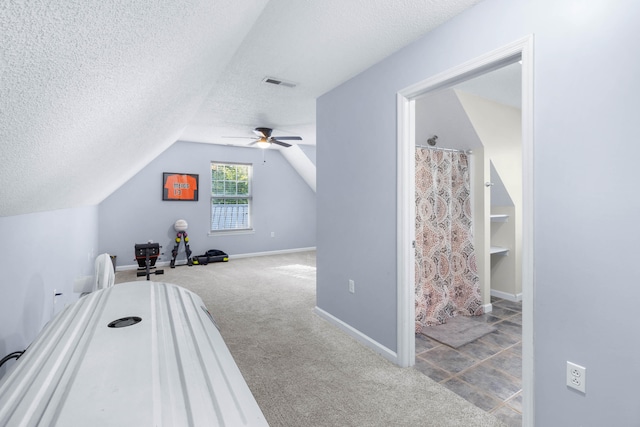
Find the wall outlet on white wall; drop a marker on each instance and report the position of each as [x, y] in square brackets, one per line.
[352, 286]
[576, 376]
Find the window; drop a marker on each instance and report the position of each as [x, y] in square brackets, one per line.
[230, 196]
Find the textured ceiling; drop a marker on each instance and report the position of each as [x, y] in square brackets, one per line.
[316, 44]
[92, 90]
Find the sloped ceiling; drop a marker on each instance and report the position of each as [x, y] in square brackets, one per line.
[441, 113]
[503, 85]
[92, 90]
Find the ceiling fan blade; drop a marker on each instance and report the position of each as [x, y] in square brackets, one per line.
[284, 144]
[288, 138]
[239, 137]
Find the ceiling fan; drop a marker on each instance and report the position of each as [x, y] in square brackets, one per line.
[265, 139]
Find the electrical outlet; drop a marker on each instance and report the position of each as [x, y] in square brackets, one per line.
[56, 294]
[352, 286]
[273, 234]
[576, 376]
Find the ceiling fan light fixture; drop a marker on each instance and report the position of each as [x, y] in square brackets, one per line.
[265, 140]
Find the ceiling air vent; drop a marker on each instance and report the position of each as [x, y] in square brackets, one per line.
[278, 82]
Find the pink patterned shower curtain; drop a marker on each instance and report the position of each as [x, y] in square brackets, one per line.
[447, 282]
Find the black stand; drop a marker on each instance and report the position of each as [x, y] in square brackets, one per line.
[182, 235]
[147, 255]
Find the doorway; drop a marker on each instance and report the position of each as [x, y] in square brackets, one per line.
[521, 50]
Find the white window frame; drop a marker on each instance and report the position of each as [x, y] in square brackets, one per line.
[218, 196]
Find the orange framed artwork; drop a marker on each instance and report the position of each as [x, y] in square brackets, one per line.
[180, 186]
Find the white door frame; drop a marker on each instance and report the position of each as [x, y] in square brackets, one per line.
[519, 50]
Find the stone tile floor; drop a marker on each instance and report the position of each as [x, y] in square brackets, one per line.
[488, 371]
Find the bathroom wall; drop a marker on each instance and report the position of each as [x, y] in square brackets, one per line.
[499, 127]
[481, 225]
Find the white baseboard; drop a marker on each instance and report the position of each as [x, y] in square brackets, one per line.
[504, 295]
[280, 252]
[127, 267]
[488, 308]
[135, 266]
[236, 256]
[359, 336]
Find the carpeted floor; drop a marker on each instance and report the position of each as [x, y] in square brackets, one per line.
[302, 370]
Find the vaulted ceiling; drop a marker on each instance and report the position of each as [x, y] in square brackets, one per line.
[92, 90]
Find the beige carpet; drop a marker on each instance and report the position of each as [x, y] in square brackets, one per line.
[302, 370]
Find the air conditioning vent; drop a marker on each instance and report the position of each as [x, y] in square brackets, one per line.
[272, 81]
[278, 82]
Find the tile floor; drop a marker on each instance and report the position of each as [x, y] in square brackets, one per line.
[486, 372]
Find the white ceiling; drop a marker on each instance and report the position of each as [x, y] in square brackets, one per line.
[92, 90]
[315, 44]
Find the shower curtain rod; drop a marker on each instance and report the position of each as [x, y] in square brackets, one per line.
[454, 150]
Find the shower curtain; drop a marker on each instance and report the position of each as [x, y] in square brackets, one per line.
[447, 282]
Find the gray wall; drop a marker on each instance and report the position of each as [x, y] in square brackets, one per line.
[586, 203]
[41, 252]
[310, 151]
[282, 203]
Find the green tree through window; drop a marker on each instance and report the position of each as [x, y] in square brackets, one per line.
[230, 196]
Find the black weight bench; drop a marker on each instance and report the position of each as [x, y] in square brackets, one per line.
[147, 254]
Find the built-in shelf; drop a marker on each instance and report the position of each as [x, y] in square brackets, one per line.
[497, 250]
